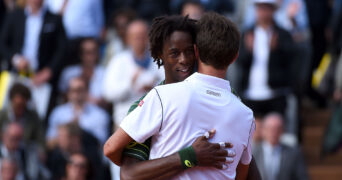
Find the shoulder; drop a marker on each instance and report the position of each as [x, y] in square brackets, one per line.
[51, 16]
[96, 110]
[72, 69]
[17, 12]
[61, 109]
[291, 150]
[282, 32]
[124, 57]
[243, 108]
[16, 16]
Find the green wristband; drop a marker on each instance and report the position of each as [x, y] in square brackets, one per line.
[188, 157]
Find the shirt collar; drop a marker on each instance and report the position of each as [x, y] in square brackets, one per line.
[210, 80]
[269, 148]
[28, 11]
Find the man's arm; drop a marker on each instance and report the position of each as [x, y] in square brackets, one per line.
[246, 158]
[242, 171]
[253, 171]
[115, 145]
[207, 154]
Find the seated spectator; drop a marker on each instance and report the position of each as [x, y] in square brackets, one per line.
[12, 147]
[32, 42]
[88, 116]
[72, 139]
[78, 168]
[116, 33]
[266, 60]
[68, 142]
[8, 169]
[131, 73]
[88, 69]
[275, 160]
[18, 111]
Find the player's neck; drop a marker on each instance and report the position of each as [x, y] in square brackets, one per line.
[211, 71]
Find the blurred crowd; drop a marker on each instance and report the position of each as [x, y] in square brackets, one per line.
[70, 69]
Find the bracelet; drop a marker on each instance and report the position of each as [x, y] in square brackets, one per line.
[188, 157]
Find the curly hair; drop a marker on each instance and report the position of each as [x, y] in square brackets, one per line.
[161, 30]
[20, 89]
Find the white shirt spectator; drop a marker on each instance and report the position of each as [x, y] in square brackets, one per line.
[92, 119]
[118, 86]
[258, 88]
[33, 26]
[81, 18]
[176, 114]
[281, 15]
[272, 158]
[95, 86]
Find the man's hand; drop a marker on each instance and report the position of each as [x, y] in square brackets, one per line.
[213, 154]
[21, 63]
[249, 41]
[42, 76]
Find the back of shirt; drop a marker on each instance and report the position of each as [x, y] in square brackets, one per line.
[186, 110]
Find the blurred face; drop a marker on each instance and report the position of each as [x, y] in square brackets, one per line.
[12, 137]
[77, 167]
[89, 53]
[120, 23]
[178, 57]
[19, 105]
[8, 170]
[272, 129]
[77, 93]
[63, 139]
[264, 12]
[194, 11]
[36, 4]
[137, 36]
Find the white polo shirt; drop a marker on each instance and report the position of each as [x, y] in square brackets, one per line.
[176, 114]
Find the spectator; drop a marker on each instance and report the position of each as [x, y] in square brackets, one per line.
[319, 14]
[81, 18]
[8, 169]
[220, 6]
[266, 60]
[194, 9]
[68, 142]
[32, 42]
[19, 111]
[89, 117]
[131, 73]
[275, 160]
[78, 168]
[88, 69]
[26, 156]
[116, 33]
[72, 139]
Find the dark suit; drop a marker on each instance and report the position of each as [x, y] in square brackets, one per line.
[33, 127]
[292, 165]
[281, 67]
[52, 39]
[282, 71]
